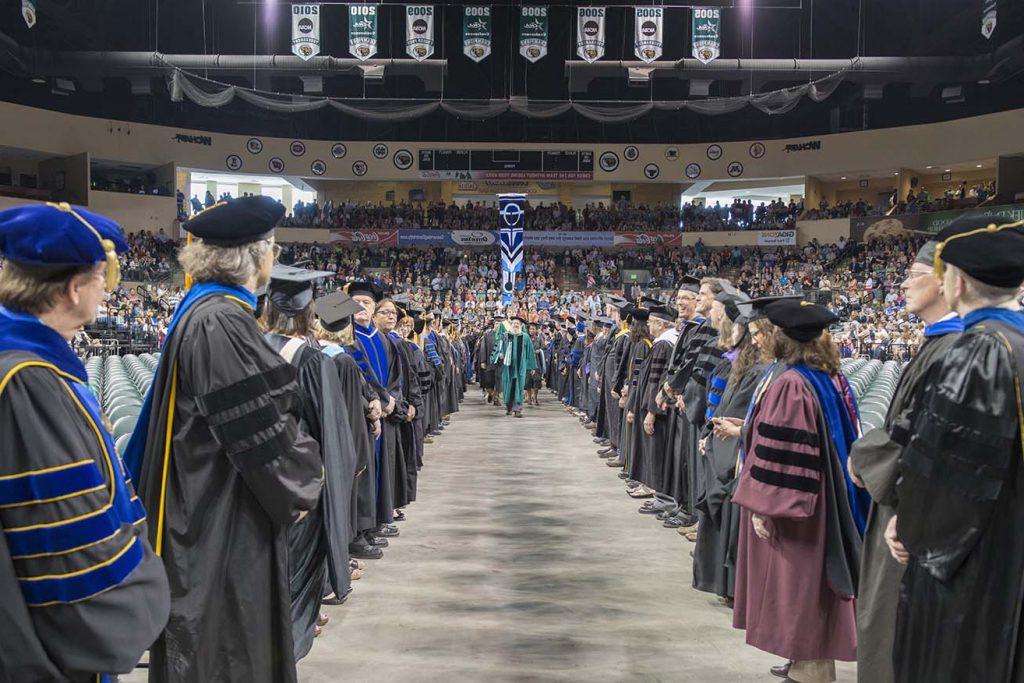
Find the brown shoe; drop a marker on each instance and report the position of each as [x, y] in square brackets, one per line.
[322, 620]
[357, 574]
[428, 439]
[519, 413]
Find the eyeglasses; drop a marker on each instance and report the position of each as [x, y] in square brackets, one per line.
[276, 249]
[387, 313]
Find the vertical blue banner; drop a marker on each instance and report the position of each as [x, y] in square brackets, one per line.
[511, 214]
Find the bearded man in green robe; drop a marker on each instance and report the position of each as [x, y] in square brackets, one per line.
[513, 357]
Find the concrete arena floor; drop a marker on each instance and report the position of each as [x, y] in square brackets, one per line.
[524, 560]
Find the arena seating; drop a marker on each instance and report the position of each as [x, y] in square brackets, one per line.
[873, 383]
[120, 383]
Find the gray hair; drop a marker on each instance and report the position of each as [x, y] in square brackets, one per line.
[234, 265]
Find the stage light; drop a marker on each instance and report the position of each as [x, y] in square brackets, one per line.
[929, 167]
[843, 178]
[947, 171]
[978, 166]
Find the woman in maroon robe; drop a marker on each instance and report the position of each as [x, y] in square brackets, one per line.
[794, 588]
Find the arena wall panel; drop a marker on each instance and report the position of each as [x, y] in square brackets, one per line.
[905, 147]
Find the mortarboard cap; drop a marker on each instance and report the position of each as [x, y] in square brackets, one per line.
[758, 305]
[364, 287]
[236, 221]
[62, 235]
[664, 313]
[689, 283]
[335, 310]
[990, 249]
[291, 289]
[640, 314]
[799, 320]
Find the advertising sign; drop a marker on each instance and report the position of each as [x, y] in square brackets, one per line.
[387, 238]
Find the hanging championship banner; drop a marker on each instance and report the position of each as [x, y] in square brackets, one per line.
[28, 12]
[590, 33]
[419, 31]
[305, 30]
[647, 42]
[476, 32]
[362, 31]
[510, 225]
[988, 18]
[533, 32]
[707, 24]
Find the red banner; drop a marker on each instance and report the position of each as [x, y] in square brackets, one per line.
[658, 240]
[386, 238]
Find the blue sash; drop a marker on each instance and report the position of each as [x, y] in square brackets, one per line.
[136, 447]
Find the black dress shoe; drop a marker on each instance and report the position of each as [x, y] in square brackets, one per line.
[781, 670]
[605, 452]
[335, 600]
[648, 510]
[374, 540]
[364, 551]
[667, 514]
[388, 530]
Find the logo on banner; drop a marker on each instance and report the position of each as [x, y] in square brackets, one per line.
[533, 32]
[692, 170]
[380, 150]
[233, 162]
[385, 237]
[476, 32]
[590, 33]
[362, 31]
[339, 150]
[651, 171]
[757, 150]
[305, 30]
[648, 42]
[419, 31]
[402, 159]
[672, 153]
[771, 238]
[276, 164]
[297, 148]
[707, 24]
[318, 167]
[472, 238]
[735, 169]
[609, 161]
[511, 214]
[988, 18]
[714, 152]
[631, 153]
[254, 145]
[359, 168]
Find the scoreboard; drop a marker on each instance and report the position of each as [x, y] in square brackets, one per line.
[506, 164]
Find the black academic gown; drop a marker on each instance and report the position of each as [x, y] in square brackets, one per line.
[649, 450]
[630, 376]
[225, 472]
[318, 544]
[358, 394]
[390, 443]
[961, 517]
[875, 459]
[710, 570]
[425, 375]
[613, 363]
[44, 427]
[412, 395]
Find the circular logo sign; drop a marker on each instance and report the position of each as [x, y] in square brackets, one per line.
[631, 153]
[233, 162]
[511, 213]
[276, 164]
[305, 25]
[402, 159]
[692, 170]
[609, 161]
[359, 168]
[590, 28]
[380, 150]
[735, 169]
[714, 152]
[672, 153]
[298, 148]
[651, 171]
[757, 150]
[419, 27]
[318, 167]
[254, 145]
[648, 28]
[339, 150]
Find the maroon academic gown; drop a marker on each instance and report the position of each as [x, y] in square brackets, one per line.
[783, 598]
